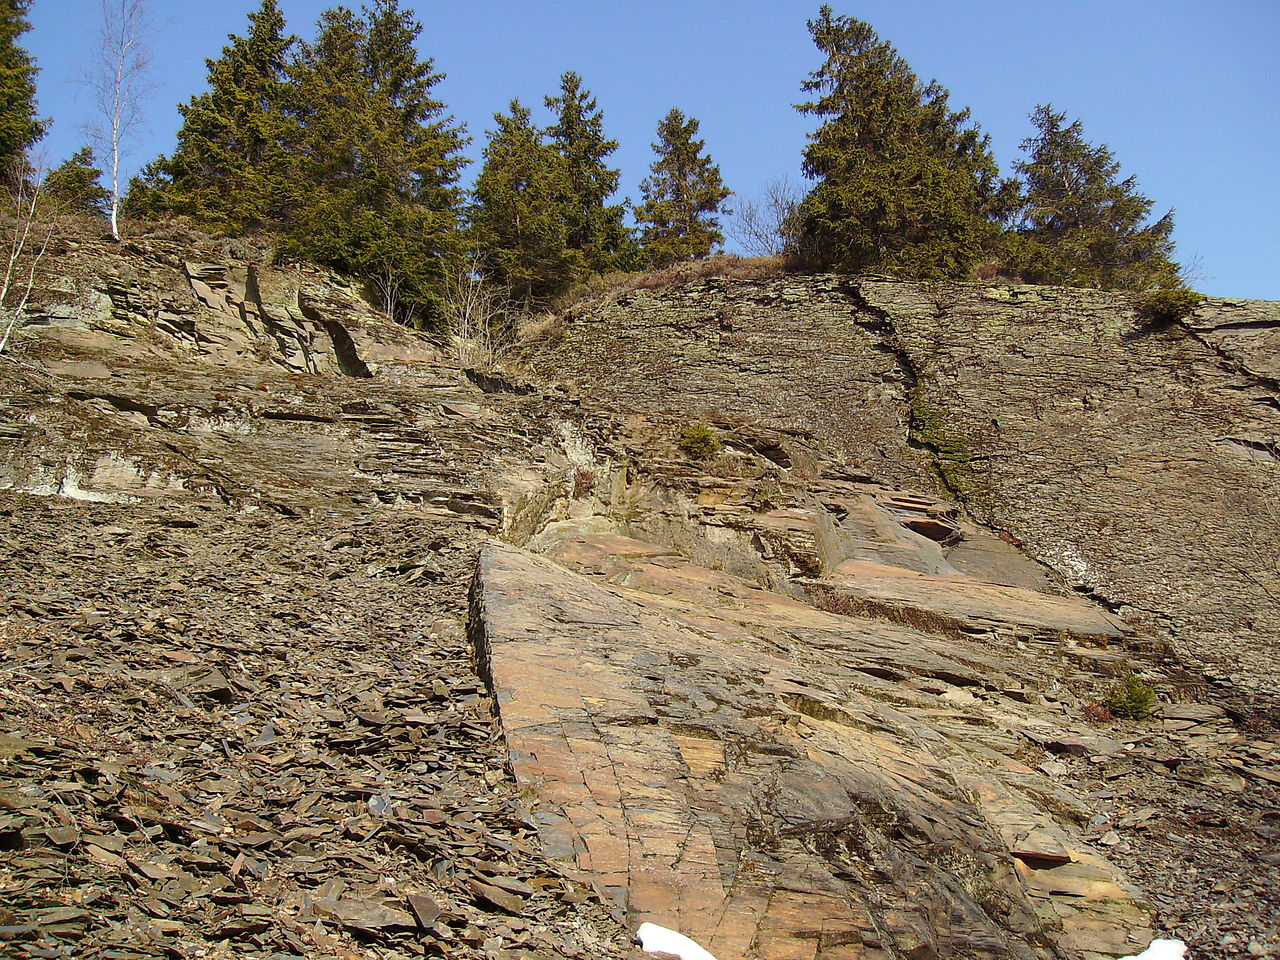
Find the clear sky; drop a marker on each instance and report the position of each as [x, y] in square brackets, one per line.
[1186, 92]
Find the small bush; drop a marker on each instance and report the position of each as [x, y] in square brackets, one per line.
[700, 442]
[584, 481]
[1167, 304]
[1097, 713]
[1132, 699]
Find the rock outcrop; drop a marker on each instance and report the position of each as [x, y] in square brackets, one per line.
[835, 692]
[1138, 463]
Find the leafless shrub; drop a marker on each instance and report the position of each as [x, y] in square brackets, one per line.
[388, 283]
[481, 315]
[27, 235]
[766, 226]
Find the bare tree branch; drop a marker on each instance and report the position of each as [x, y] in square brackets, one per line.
[480, 315]
[765, 227]
[28, 239]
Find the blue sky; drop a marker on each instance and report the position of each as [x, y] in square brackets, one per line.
[1186, 92]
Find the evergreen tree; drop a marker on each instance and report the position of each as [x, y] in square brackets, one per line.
[232, 168]
[681, 197]
[592, 227]
[904, 184]
[19, 127]
[1080, 224]
[379, 158]
[517, 222]
[76, 185]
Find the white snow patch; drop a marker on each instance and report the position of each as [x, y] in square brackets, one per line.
[1161, 950]
[656, 939]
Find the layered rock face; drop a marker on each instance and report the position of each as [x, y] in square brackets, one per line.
[322, 645]
[1138, 462]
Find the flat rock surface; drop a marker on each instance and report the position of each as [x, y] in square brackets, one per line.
[718, 763]
[967, 599]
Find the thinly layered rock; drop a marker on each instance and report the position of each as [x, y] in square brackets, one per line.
[240, 718]
[240, 515]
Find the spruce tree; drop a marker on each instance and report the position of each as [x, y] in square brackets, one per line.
[1080, 224]
[681, 197]
[593, 228]
[379, 158]
[232, 167]
[517, 222]
[76, 185]
[19, 126]
[904, 184]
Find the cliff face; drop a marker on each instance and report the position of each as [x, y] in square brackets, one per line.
[1138, 463]
[323, 645]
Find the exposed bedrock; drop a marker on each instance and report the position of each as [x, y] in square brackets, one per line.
[1137, 462]
[834, 692]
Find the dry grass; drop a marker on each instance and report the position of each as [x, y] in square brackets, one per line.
[174, 229]
[542, 328]
[726, 265]
[584, 481]
[596, 286]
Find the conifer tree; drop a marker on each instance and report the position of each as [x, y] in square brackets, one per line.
[379, 158]
[904, 184]
[1080, 224]
[19, 127]
[232, 168]
[592, 227]
[517, 222]
[681, 197]
[76, 185]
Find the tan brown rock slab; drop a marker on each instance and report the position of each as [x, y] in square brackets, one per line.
[702, 778]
